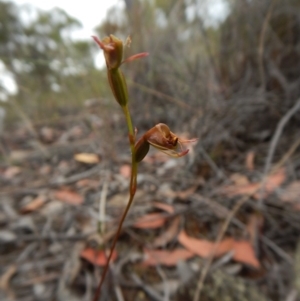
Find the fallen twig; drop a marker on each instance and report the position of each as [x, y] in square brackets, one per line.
[280, 126]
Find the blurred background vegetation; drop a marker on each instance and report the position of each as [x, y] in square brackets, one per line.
[208, 73]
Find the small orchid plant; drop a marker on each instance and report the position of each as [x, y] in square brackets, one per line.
[160, 136]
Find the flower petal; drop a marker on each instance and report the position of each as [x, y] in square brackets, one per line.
[135, 57]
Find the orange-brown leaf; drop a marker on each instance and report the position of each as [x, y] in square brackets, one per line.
[243, 251]
[250, 160]
[201, 247]
[271, 183]
[87, 183]
[181, 194]
[168, 258]
[275, 180]
[97, 257]
[67, 196]
[35, 204]
[184, 194]
[165, 207]
[150, 221]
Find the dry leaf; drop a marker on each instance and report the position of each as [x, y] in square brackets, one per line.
[183, 195]
[167, 235]
[119, 199]
[18, 156]
[271, 183]
[97, 257]
[87, 158]
[275, 180]
[67, 196]
[154, 220]
[35, 204]
[125, 170]
[250, 160]
[234, 190]
[201, 247]
[52, 209]
[11, 172]
[168, 258]
[165, 207]
[87, 183]
[291, 194]
[150, 221]
[5, 279]
[243, 251]
[239, 179]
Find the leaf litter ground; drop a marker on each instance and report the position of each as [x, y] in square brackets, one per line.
[54, 239]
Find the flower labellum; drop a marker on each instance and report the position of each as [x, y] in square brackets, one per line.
[164, 140]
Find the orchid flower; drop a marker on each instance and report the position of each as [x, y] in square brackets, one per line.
[164, 140]
[113, 53]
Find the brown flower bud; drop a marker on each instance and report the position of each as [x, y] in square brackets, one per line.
[113, 51]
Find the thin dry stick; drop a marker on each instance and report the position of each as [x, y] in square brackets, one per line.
[211, 163]
[177, 101]
[261, 45]
[276, 249]
[209, 50]
[279, 129]
[287, 155]
[165, 283]
[117, 287]
[147, 288]
[102, 203]
[118, 292]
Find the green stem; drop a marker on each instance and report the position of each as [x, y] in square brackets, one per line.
[130, 129]
[132, 190]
